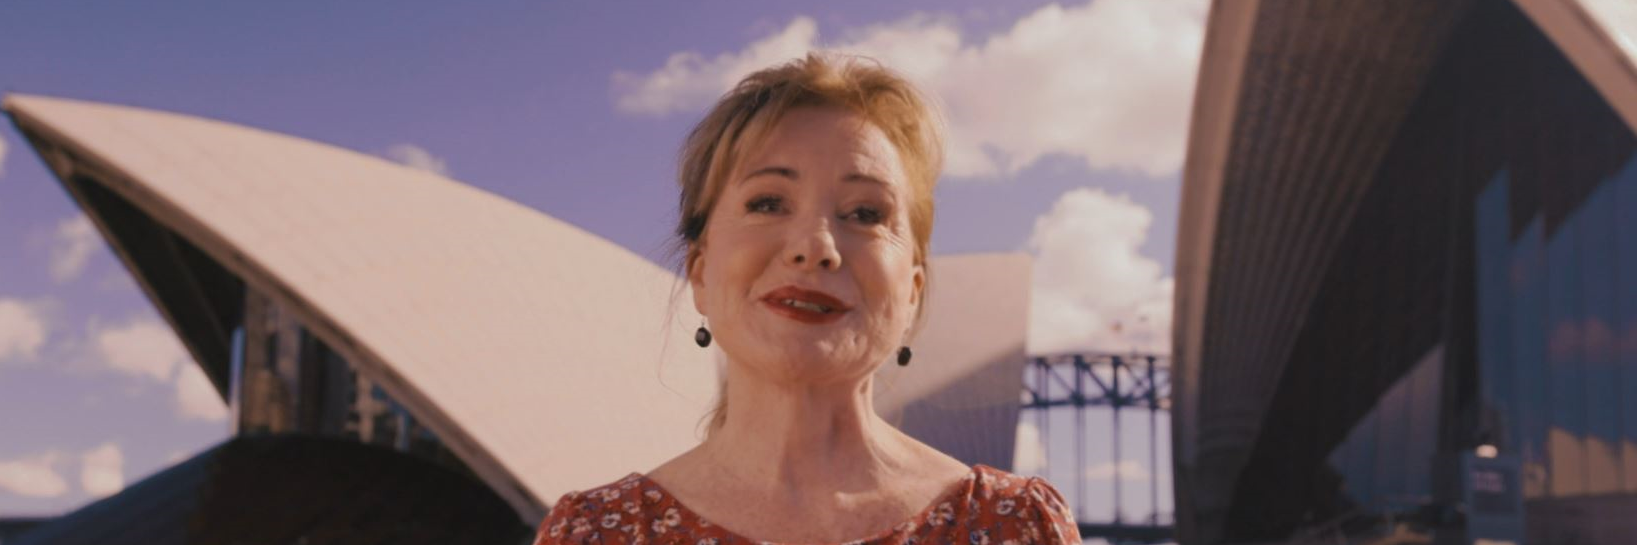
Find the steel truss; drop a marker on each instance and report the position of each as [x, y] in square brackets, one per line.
[1119, 382]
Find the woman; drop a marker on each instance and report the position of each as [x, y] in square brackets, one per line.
[806, 216]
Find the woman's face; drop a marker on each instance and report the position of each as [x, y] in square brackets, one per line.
[807, 265]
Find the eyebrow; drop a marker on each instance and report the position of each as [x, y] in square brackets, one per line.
[791, 174]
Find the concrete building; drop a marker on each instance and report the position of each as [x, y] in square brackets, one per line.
[365, 318]
[1407, 275]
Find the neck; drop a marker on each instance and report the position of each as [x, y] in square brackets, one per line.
[791, 435]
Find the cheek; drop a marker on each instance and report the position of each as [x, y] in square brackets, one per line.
[735, 265]
[888, 278]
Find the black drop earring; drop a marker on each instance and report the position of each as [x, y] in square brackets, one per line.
[903, 356]
[702, 336]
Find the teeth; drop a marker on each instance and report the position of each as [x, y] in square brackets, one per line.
[806, 305]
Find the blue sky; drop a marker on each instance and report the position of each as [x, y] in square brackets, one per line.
[1066, 121]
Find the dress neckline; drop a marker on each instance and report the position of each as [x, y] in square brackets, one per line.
[973, 474]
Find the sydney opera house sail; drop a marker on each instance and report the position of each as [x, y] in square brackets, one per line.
[1407, 275]
[334, 294]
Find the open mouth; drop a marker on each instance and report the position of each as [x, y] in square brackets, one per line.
[804, 305]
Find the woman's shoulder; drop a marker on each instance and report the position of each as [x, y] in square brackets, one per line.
[993, 482]
[1000, 496]
[989, 483]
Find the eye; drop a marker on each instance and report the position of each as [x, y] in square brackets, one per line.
[866, 214]
[766, 204]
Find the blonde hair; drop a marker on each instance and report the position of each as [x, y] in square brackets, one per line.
[747, 112]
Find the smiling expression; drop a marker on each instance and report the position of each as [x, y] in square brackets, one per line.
[806, 268]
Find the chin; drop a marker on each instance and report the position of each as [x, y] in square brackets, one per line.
[815, 361]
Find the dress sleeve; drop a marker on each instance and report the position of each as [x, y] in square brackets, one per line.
[1056, 520]
[566, 518]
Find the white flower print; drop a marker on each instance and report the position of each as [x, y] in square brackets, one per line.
[1005, 507]
[611, 520]
[707, 541]
[651, 495]
[673, 517]
[659, 526]
[945, 514]
[557, 529]
[978, 537]
[631, 507]
[610, 494]
[581, 525]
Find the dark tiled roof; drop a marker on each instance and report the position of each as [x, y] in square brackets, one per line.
[293, 490]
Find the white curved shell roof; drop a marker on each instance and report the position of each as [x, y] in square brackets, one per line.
[540, 353]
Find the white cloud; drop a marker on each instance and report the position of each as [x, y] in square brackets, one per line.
[1093, 290]
[73, 242]
[146, 347]
[1110, 82]
[1126, 470]
[33, 476]
[102, 470]
[142, 346]
[417, 157]
[196, 397]
[1029, 453]
[22, 330]
[689, 80]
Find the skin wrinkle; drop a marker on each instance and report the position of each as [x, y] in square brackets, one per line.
[802, 443]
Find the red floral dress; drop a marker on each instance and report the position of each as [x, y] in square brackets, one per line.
[988, 507]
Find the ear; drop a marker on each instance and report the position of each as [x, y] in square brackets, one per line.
[696, 277]
[917, 297]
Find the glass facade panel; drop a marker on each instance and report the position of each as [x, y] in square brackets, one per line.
[1595, 221]
[1422, 393]
[1529, 356]
[1574, 385]
[1565, 448]
[1625, 294]
[1518, 379]
[288, 381]
[1558, 385]
[1383, 457]
[235, 386]
[1498, 422]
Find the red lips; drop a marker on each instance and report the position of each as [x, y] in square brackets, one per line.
[814, 307]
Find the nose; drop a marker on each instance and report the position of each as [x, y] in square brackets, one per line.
[814, 246]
